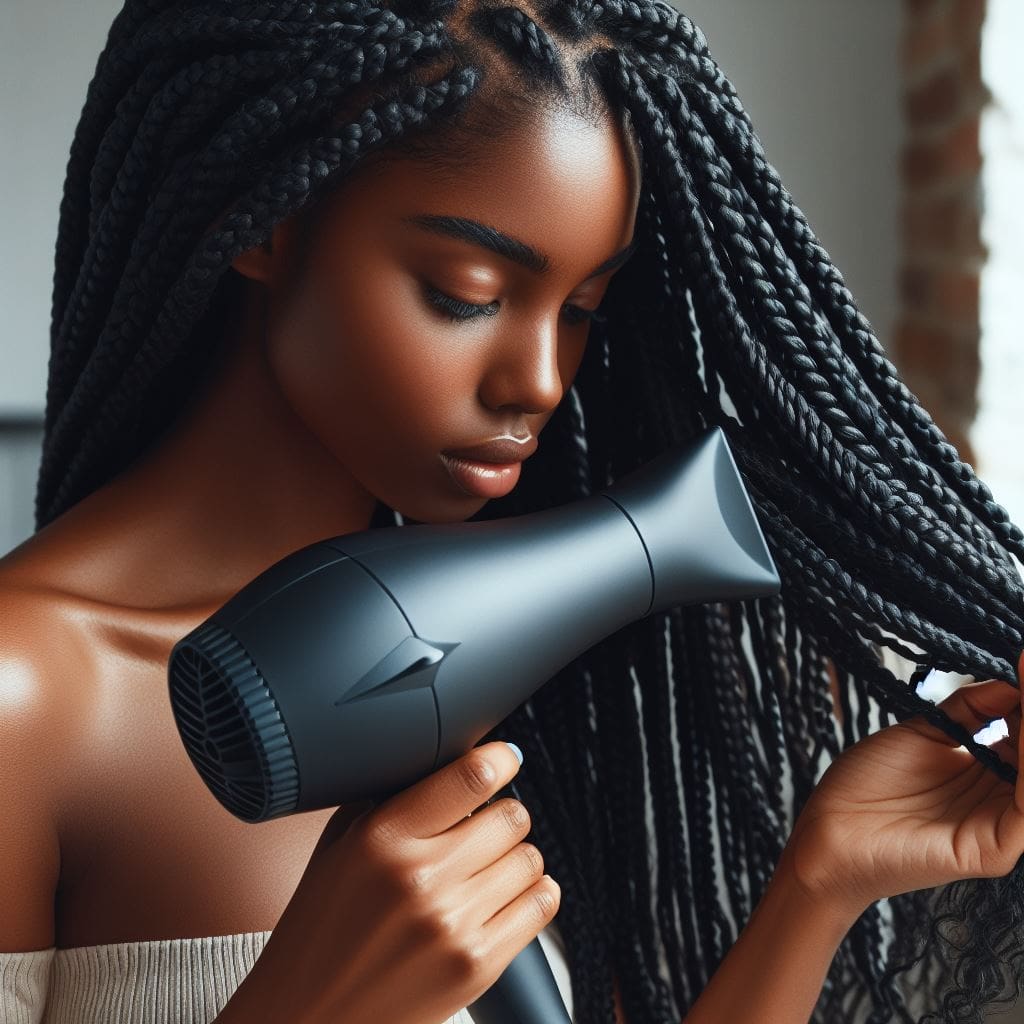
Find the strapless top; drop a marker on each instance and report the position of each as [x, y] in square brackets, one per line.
[163, 981]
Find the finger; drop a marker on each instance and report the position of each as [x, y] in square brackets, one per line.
[495, 886]
[1012, 720]
[527, 915]
[490, 835]
[1019, 792]
[1006, 750]
[434, 804]
[972, 705]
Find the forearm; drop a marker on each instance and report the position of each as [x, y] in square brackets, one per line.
[775, 970]
[242, 1008]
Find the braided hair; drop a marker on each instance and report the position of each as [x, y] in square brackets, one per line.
[665, 766]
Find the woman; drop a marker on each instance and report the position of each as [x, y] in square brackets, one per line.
[308, 254]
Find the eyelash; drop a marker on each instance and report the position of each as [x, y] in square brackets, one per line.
[459, 312]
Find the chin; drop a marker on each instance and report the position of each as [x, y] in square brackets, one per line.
[424, 518]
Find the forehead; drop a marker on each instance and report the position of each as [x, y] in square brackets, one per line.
[560, 182]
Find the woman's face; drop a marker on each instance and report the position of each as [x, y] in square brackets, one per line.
[405, 336]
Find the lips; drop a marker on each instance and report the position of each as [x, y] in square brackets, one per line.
[482, 479]
[501, 451]
[491, 469]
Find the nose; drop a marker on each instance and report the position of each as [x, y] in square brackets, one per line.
[528, 372]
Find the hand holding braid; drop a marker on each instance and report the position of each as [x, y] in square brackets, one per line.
[909, 808]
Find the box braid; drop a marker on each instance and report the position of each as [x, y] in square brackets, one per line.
[658, 762]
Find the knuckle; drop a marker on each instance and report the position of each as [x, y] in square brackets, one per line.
[477, 774]
[416, 880]
[379, 835]
[421, 931]
[1003, 866]
[533, 858]
[544, 903]
[516, 814]
[468, 961]
[433, 929]
[445, 928]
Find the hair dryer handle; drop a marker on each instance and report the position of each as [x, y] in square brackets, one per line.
[526, 993]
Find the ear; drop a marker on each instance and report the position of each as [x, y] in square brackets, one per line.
[267, 262]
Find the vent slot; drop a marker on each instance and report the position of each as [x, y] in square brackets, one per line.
[231, 725]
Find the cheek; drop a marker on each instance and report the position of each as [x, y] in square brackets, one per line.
[366, 369]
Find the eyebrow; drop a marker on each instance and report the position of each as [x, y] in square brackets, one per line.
[505, 245]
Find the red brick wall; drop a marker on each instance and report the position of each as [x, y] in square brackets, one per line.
[937, 335]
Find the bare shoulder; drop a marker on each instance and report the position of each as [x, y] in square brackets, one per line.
[41, 642]
[40, 699]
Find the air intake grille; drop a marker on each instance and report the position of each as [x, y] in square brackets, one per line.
[231, 725]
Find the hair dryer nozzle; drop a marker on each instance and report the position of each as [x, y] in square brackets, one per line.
[699, 529]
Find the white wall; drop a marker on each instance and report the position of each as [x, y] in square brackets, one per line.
[821, 82]
[999, 428]
[48, 51]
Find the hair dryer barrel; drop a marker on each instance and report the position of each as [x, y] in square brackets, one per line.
[358, 665]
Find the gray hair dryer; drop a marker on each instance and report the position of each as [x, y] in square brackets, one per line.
[356, 666]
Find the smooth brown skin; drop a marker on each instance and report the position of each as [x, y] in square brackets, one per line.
[341, 386]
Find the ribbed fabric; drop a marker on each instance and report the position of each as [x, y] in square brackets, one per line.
[24, 978]
[165, 981]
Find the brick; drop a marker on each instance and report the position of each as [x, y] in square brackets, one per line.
[952, 156]
[945, 295]
[952, 423]
[956, 296]
[917, 345]
[936, 341]
[917, 286]
[924, 40]
[926, 394]
[946, 357]
[968, 16]
[936, 100]
[955, 428]
[930, 225]
[970, 68]
[920, 164]
[962, 152]
[941, 366]
[944, 229]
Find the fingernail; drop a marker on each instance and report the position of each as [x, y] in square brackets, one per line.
[516, 751]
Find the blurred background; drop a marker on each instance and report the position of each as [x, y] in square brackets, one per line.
[897, 125]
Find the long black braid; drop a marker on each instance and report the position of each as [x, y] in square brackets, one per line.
[658, 763]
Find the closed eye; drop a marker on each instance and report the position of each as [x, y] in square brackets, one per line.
[456, 309]
[459, 311]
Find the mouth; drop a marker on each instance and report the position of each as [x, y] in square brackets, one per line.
[482, 479]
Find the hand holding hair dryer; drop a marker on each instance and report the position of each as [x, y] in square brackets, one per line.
[358, 665]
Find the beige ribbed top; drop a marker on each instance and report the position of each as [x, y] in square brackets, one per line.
[165, 981]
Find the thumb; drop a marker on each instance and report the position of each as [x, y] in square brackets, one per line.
[1020, 688]
[1019, 788]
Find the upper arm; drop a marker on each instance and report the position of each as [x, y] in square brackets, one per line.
[29, 774]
